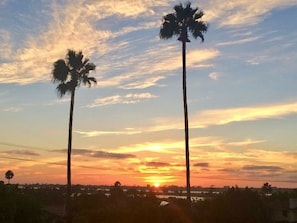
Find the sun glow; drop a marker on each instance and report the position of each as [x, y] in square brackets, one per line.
[156, 185]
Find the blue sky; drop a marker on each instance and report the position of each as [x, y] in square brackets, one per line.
[129, 127]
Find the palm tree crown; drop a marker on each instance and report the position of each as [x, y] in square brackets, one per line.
[184, 19]
[9, 175]
[73, 71]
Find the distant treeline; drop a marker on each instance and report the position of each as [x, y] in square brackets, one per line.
[46, 205]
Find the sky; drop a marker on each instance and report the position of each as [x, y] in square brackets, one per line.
[242, 95]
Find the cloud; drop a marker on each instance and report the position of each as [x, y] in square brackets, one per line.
[102, 133]
[90, 26]
[21, 152]
[97, 154]
[5, 44]
[225, 116]
[12, 109]
[213, 76]
[156, 164]
[240, 41]
[241, 13]
[131, 98]
[266, 168]
[201, 164]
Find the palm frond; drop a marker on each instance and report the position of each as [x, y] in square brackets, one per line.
[60, 71]
[169, 27]
[89, 67]
[88, 80]
[75, 59]
[63, 88]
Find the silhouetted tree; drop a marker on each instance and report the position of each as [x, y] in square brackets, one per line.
[183, 20]
[71, 73]
[266, 189]
[9, 175]
[233, 206]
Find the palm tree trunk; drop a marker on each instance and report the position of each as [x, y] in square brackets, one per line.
[68, 199]
[187, 153]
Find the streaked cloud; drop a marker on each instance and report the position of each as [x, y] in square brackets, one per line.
[131, 98]
[265, 168]
[225, 116]
[128, 131]
[201, 164]
[97, 154]
[12, 109]
[20, 152]
[157, 164]
[240, 41]
[241, 13]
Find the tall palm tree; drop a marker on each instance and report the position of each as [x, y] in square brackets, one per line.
[9, 175]
[71, 73]
[182, 21]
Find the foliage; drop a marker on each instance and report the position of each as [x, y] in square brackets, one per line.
[235, 206]
[72, 72]
[9, 175]
[17, 207]
[183, 20]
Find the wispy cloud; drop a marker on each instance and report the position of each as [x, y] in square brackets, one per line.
[224, 116]
[97, 154]
[128, 131]
[131, 98]
[58, 101]
[20, 152]
[201, 164]
[12, 109]
[241, 13]
[240, 41]
[265, 168]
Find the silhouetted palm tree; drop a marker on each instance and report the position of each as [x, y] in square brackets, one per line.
[9, 175]
[71, 73]
[183, 20]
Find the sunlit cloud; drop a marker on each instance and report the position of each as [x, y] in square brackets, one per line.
[59, 101]
[240, 41]
[241, 13]
[224, 116]
[129, 131]
[5, 44]
[157, 164]
[20, 152]
[131, 98]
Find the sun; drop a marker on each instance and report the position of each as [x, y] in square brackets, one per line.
[156, 185]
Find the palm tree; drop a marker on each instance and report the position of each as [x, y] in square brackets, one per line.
[183, 20]
[9, 175]
[71, 73]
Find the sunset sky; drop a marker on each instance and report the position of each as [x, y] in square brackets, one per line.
[242, 94]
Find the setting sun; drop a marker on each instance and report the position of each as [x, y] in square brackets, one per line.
[156, 184]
